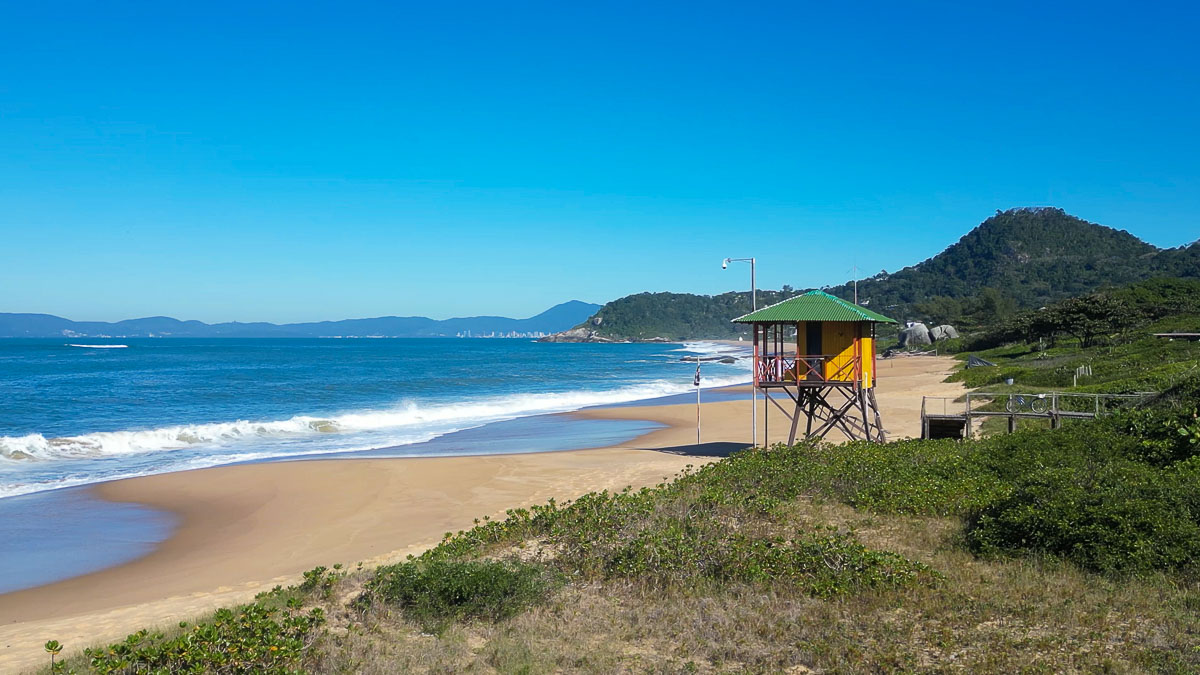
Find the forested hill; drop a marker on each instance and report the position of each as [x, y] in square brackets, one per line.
[1017, 259]
[673, 316]
[1032, 257]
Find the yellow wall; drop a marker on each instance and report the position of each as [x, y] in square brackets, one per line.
[868, 357]
[838, 340]
[842, 340]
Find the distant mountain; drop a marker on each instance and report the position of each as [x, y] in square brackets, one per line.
[1035, 256]
[1026, 257]
[557, 318]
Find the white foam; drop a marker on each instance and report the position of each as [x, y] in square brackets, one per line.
[101, 346]
[22, 488]
[407, 423]
[713, 349]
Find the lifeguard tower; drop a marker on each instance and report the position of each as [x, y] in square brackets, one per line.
[829, 375]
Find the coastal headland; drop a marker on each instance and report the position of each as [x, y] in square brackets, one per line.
[245, 528]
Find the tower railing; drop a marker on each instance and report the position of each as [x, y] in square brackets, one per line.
[788, 369]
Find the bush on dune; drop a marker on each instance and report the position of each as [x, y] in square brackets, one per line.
[250, 639]
[1116, 496]
[1120, 517]
[436, 592]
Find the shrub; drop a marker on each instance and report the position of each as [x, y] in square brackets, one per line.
[438, 591]
[1115, 517]
[249, 639]
[820, 564]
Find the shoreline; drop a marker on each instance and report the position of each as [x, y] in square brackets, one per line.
[244, 528]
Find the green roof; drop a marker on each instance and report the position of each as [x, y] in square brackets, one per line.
[813, 306]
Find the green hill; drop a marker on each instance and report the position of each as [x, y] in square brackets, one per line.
[677, 316]
[1017, 259]
[1031, 257]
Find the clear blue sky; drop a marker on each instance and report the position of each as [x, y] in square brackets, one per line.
[296, 161]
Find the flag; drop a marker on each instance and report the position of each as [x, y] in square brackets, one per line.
[696, 383]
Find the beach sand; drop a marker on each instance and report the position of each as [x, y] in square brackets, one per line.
[246, 528]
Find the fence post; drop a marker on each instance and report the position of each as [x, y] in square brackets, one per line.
[968, 429]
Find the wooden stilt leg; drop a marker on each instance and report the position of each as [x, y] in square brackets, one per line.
[882, 436]
[795, 420]
[812, 411]
[766, 419]
[866, 418]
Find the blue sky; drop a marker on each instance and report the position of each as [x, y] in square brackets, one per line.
[298, 161]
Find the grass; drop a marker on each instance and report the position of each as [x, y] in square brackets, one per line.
[1134, 362]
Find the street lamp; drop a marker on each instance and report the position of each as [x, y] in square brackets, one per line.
[753, 307]
[753, 289]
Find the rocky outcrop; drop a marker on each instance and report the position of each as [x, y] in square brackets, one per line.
[585, 334]
[578, 334]
[943, 332]
[916, 335]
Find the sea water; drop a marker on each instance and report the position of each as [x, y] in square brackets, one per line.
[75, 412]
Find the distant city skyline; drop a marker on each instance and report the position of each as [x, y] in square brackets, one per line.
[311, 161]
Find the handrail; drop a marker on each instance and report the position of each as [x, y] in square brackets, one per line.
[785, 368]
[1054, 401]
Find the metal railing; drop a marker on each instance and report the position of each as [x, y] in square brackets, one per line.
[1048, 404]
[1054, 406]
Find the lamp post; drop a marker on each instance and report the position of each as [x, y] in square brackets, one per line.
[753, 307]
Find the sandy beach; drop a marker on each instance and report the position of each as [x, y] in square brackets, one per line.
[246, 528]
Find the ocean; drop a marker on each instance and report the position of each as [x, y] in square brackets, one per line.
[75, 412]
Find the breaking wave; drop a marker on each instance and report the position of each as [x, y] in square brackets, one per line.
[303, 434]
[704, 349]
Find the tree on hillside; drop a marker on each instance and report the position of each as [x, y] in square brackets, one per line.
[1088, 317]
[996, 304]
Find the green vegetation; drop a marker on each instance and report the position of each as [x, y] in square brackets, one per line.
[679, 316]
[250, 639]
[1116, 348]
[437, 591]
[1021, 258]
[1016, 260]
[1157, 305]
[704, 527]
[53, 648]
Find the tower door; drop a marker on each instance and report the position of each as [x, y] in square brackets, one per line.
[812, 344]
[812, 337]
